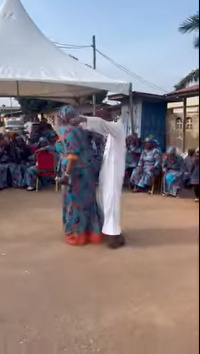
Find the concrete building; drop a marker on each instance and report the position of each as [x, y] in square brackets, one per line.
[182, 123]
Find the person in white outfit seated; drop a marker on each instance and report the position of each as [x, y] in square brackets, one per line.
[112, 172]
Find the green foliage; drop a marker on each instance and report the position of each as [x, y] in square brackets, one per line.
[193, 76]
[190, 25]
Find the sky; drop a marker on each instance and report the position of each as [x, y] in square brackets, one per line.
[140, 35]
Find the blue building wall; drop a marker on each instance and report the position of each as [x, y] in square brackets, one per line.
[154, 121]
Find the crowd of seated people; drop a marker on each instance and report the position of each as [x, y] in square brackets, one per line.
[18, 157]
[15, 156]
[146, 162]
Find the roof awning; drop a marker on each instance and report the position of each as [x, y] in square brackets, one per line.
[32, 66]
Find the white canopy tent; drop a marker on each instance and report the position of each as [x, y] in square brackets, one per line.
[32, 66]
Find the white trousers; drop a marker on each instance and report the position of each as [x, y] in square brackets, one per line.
[109, 200]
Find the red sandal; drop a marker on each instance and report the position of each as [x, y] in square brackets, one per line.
[77, 240]
[96, 239]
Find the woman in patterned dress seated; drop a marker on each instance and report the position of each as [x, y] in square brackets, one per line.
[149, 167]
[173, 169]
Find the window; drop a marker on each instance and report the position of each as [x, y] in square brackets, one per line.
[189, 124]
[179, 123]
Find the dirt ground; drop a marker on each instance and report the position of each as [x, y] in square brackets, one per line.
[54, 298]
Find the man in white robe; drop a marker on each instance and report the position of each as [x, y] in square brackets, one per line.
[111, 174]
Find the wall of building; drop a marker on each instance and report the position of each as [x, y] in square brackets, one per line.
[148, 119]
[137, 117]
[174, 130]
[154, 121]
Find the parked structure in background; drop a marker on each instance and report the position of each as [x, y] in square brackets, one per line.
[9, 107]
[182, 123]
[149, 115]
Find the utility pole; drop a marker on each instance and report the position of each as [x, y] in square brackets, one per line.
[131, 106]
[94, 67]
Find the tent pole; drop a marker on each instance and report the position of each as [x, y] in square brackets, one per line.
[131, 106]
[184, 123]
[94, 67]
[17, 88]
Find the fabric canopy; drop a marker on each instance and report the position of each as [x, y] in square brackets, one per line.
[32, 66]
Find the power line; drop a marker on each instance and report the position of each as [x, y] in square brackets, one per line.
[133, 75]
[113, 62]
[71, 46]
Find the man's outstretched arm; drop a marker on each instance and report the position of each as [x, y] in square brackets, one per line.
[101, 126]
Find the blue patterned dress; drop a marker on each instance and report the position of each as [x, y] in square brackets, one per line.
[149, 167]
[3, 168]
[173, 168]
[195, 171]
[80, 212]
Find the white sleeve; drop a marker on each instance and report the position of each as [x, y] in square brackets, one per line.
[103, 127]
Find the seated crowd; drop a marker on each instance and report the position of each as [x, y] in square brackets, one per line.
[145, 163]
[18, 157]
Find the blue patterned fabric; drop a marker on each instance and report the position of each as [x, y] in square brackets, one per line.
[149, 167]
[173, 167]
[80, 211]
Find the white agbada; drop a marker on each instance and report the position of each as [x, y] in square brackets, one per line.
[112, 172]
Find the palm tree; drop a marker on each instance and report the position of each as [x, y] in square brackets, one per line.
[190, 25]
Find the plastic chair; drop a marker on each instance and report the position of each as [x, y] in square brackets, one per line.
[46, 167]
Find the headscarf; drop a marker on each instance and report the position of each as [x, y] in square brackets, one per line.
[156, 144]
[171, 150]
[150, 136]
[148, 140]
[43, 140]
[65, 114]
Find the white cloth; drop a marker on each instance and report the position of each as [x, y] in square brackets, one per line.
[42, 70]
[112, 172]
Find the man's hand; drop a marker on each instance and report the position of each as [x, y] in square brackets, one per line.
[78, 120]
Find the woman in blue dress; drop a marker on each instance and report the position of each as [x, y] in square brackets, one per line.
[149, 167]
[3, 164]
[195, 175]
[133, 153]
[173, 168]
[81, 218]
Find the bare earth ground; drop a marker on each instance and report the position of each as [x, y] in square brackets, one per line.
[54, 298]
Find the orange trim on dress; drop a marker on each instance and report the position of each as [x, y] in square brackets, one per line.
[71, 157]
